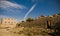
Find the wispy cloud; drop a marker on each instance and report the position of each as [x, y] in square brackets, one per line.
[7, 4]
[9, 8]
[2, 0]
[29, 11]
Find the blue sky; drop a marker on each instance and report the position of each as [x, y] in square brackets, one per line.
[21, 9]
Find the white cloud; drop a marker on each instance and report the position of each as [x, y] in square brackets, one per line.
[2, 0]
[7, 4]
[29, 11]
[11, 8]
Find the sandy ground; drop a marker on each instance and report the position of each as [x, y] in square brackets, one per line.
[4, 32]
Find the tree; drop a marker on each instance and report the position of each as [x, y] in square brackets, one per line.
[29, 19]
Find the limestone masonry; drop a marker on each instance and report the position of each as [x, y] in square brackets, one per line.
[8, 22]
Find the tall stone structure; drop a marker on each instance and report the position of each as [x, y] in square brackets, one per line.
[8, 22]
